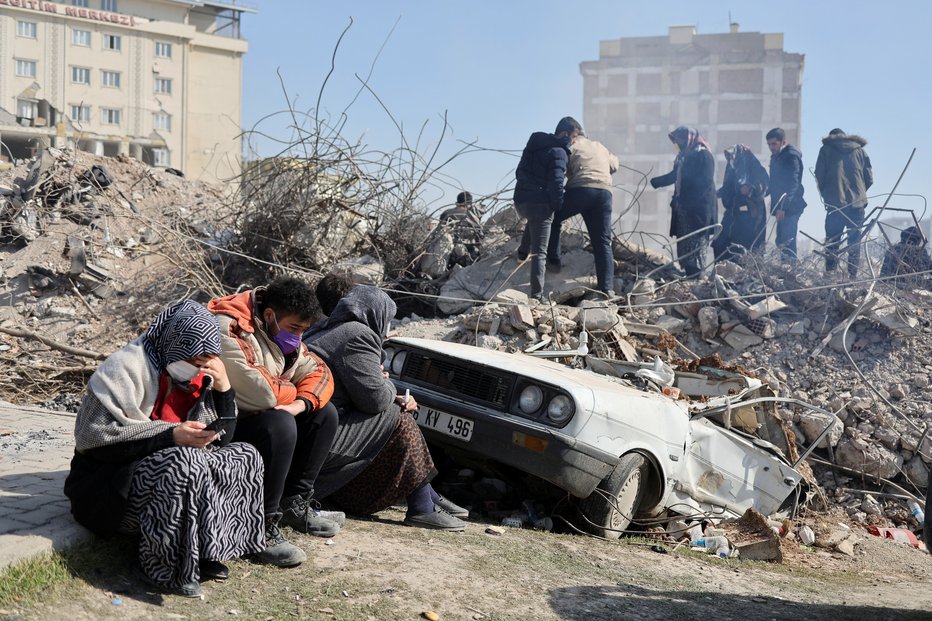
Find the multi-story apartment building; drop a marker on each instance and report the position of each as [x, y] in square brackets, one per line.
[732, 86]
[159, 80]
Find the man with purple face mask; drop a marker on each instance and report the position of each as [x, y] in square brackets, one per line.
[283, 393]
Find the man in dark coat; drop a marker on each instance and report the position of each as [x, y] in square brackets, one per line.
[539, 192]
[844, 174]
[694, 197]
[786, 190]
[744, 224]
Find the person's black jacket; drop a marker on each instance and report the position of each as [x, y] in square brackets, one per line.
[843, 171]
[786, 177]
[694, 205]
[542, 170]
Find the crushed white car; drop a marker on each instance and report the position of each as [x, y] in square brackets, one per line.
[606, 435]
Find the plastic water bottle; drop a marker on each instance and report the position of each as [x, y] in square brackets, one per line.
[917, 511]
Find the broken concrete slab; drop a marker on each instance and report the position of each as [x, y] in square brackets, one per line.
[893, 318]
[599, 319]
[740, 337]
[708, 321]
[520, 317]
[511, 296]
[813, 423]
[770, 304]
[763, 550]
[671, 324]
[864, 456]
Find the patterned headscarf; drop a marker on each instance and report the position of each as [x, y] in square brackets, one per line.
[180, 332]
[688, 140]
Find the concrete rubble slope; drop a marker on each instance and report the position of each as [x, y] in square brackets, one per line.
[85, 269]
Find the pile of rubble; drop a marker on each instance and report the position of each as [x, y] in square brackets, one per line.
[92, 248]
[862, 352]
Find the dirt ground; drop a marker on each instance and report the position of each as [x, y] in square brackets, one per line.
[380, 569]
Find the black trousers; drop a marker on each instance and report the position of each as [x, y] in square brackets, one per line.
[293, 448]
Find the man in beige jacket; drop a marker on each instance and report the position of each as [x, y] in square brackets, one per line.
[589, 194]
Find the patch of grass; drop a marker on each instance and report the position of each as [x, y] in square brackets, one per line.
[20, 582]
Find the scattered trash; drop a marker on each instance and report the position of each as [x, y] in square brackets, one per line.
[116, 602]
[900, 535]
[430, 615]
[495, 530]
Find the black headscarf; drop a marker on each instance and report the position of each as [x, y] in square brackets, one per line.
[364, 304]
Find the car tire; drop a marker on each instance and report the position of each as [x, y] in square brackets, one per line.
[608, 510]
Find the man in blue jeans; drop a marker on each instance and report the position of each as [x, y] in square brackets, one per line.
[786, 190]
[539, 193]
[589, 193]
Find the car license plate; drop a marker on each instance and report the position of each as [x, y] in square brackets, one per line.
[447, 424]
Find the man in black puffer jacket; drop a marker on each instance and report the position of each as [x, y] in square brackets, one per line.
[844, 174]
[786, 190]
[694, 197]
[539, 192]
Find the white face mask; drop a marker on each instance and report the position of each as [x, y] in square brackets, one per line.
[182, 371]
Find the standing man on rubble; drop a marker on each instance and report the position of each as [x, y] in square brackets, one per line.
[844, 174]
[694, 197]
[539, 193]
[786, 190]
[589, 193]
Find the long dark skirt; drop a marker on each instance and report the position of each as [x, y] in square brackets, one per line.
[189, 504]
[402, 466]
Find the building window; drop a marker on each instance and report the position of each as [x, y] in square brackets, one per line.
[81, 75]
[27, 108]
[110, 116]
[26, 29]
[80, 112]
[108, 5]
[163, 85]
[81, 38]
[161, 157]
[162, 121]
[163, 50]
[111, 42]
[83, 3]
[25, 68]
[110, 78]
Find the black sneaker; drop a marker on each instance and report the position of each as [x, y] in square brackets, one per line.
[554, 266]
[300, 514]
[278, 552]
[438, 519]
[522, 255]
[213, 570]
[451, 507]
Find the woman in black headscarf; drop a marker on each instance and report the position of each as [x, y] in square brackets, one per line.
[694, 197]
[151, 454]
[379, 456]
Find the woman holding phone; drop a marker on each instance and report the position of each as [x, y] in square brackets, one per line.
[153, 458]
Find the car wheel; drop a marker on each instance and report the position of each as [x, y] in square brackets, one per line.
[609, 508]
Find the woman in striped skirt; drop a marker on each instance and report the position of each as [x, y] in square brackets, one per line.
[153, 456]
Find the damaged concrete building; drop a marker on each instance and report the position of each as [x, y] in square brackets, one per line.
[732, 86]
[118, 77]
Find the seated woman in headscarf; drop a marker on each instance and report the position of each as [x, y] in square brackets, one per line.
[379, 456]
[151, 454]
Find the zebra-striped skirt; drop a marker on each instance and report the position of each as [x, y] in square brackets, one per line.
[189, 504]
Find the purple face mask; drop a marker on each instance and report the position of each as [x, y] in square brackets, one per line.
[285, 340]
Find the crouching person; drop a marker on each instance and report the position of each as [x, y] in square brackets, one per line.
[379, 456]
[153, 454]
[283, 393]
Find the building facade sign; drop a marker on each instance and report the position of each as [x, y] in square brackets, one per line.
[72, 11]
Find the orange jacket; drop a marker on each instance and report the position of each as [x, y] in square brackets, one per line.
[256, 365]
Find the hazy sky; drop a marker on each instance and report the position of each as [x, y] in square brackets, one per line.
[501, 70]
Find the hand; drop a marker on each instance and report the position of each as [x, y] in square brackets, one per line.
[410, 406]
[215, 369]
[384, 372]
[192, 433]
[294, 408]
[780, 214]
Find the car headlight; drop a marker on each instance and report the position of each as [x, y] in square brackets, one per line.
[531, 399]
[398, 362]
[560, 409]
